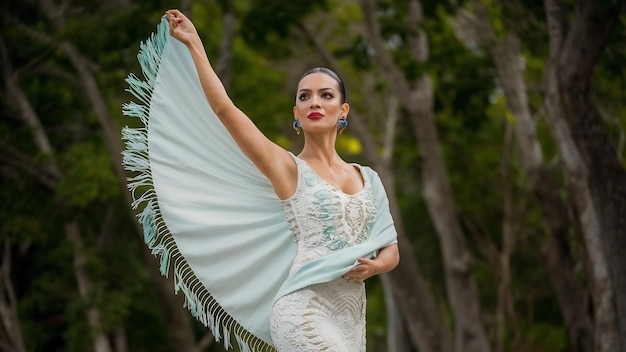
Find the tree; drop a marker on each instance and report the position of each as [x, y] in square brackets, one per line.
[596, 176]
[506, 52]
[502, 154]
[46, 64]
[418, 99]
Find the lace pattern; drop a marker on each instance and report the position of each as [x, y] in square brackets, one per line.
[323, 219]
[323, 317]
[328, 316]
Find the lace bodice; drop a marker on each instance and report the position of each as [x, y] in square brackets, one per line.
[323, 219]
[328, 316]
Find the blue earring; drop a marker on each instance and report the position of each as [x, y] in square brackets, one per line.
[342, 124]
[296, 127]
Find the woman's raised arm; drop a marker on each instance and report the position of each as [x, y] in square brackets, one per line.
[272, 160]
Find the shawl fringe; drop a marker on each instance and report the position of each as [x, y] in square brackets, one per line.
[158, 238]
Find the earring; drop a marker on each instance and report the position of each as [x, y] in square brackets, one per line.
[342, 124]
[296, 127]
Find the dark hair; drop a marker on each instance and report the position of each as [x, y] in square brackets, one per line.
[331, 73]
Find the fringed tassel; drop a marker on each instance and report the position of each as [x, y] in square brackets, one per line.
[243, 346]
[135, 159]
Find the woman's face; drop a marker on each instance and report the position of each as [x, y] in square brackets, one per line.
[318, 103]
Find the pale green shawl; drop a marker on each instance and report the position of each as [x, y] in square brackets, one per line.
[206, 209]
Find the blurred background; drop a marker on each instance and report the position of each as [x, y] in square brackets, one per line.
[498, 128]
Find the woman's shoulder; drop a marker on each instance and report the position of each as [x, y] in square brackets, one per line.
[371, 177]
[365, 170]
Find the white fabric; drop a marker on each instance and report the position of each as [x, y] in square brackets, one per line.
[323, 317]
[328, 316]
[216, 209]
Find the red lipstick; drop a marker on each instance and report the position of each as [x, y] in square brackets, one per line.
[315, 116]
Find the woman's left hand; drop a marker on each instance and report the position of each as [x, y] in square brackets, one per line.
[363, 271]
[387, 259]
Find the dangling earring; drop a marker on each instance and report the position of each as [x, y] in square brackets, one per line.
[296, 127]
[342, 124]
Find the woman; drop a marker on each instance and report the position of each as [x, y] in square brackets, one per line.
[336, 211]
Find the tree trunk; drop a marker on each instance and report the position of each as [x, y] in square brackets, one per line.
[8, 298]
[421, 313]
[85, 69]
[222, 68]
[8, 305]
[179, 326]
[596, 177]
[28, 115]
[415, 298]
[461, 287]
[505, 319]
[30, 118]
[397, 340]
[85, 288]
[121, 339]
[508, 59]
[180, 331]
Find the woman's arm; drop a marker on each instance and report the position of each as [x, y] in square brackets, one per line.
[387, 259]
[272, 160]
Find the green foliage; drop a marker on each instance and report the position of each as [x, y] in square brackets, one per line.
[251, 71]
[609, 91]
[546, 337]
[495, 13]
[266, 24]
[23, 216]
[471, 138]
[33, 216]
[46, 286]
[470, 113]
[89, 176]
[358, 53]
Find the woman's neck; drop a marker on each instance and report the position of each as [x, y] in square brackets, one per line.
[321, 150]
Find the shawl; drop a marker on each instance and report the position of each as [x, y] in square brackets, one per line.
[207, 212]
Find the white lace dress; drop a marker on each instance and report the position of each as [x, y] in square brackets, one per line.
[327, 316]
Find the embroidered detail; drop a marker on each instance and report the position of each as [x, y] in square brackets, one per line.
[328, 210]
[330, 315]
[324, 219]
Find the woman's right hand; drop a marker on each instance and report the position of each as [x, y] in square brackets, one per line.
[181, 27]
